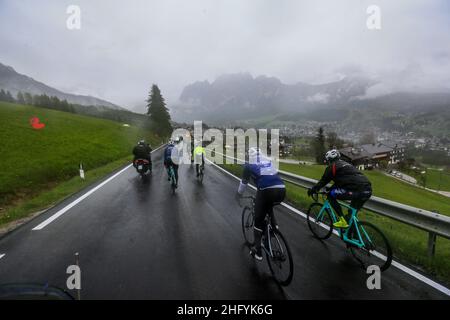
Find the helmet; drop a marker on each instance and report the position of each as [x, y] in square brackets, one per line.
[332, 155]
[253, 152]
[176, 139]
[141, 142]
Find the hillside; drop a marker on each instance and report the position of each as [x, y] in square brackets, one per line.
[36, 159]
[14, 82]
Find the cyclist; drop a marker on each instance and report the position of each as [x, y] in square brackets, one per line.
[192, 150]
[199, 154]
[172, 158]
[270, 190]
[142, 151]
[349, 184]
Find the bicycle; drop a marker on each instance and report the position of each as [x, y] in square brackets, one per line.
[200, 173]
[273, 243]
[172, 178]
[368, 245]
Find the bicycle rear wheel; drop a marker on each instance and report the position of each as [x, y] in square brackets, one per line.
[376, 251]
[320, 224]
[279, 258]
[173, 181]
[200, 177]
[248, 221]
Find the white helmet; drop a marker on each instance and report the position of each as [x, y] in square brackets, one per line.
[253, 152]
[332, 155]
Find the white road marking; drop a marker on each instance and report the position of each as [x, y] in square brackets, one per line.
[84, 196]
[2, 255]
[396, 264]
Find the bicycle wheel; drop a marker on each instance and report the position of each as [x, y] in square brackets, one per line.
[279, 258]
[321, 226]
[172, 180]
[376, 251]
[247, 226]
[200, 176]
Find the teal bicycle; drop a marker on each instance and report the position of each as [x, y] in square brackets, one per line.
[368, 245]
[172, 179]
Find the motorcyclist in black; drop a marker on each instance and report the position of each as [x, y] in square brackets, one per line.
[142, 151]
[349, 184]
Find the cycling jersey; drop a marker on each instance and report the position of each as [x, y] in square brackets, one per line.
[345, 176]
[172, 154]
[263, 173]
[199, 150]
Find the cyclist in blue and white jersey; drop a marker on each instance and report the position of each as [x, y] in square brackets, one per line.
[270, 190]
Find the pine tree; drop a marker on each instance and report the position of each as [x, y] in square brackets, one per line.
[28, 98]
[319, 146]
[55, 103]
[158, 113]
[9, 97]
[20, 98]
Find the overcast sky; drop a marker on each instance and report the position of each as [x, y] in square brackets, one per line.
[125, 46]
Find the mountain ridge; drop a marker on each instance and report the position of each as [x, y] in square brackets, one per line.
[14, 82]
[237, 97]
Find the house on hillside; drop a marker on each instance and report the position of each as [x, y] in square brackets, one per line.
[356, 156]
[398, 151]
[378, 152]
[368, 156]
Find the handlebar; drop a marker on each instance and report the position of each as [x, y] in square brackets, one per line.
[315, 196]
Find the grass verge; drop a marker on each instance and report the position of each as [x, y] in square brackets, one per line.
[25, 208]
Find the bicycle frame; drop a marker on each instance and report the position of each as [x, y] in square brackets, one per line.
[269, 250]
[172, 175]
[269, 222]
[344, 235]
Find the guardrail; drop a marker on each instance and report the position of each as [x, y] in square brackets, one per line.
[434, 223]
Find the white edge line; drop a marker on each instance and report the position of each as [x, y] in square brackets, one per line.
[2, 255]
[396, 264]
[84, 196]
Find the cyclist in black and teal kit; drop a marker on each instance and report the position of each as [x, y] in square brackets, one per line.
[349, 184]
[270, 190]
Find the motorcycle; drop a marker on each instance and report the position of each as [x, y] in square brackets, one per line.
[143, 166]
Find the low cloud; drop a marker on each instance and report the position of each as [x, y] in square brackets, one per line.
[124, 47]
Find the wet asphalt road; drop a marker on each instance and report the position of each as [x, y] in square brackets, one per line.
[138, 241]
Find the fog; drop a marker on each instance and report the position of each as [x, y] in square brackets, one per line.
[125, 46]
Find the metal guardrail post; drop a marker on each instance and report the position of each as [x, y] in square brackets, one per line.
[431, 244]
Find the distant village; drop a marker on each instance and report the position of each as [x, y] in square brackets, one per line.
[389, 146]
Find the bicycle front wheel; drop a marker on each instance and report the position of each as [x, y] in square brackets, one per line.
[376, 250]
[279, 258]
[248, 222]
[320, 223]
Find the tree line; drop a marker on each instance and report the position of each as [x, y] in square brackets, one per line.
[156, 119]
[37, 100]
